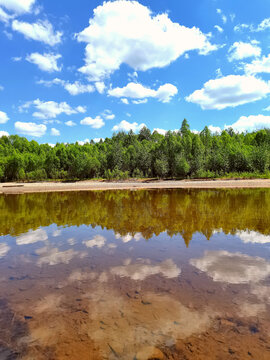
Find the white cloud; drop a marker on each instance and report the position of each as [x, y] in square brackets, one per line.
[125, 101]
[98, 241]
[108, 115]
[126, 126]
[18, 6]
[32, 237]
[229, 91]
[3, 133]
[233, 268]
[219, 28]
[100, 86]
[214, 129]
[253, 236]
[258, 66]
[31, 129]
[70, 123]
[161, 131]
[40, 31]
[96, 123]
[140, 101]
[81, 109]
[86, 141]
[137, 91]
[250, 123]
[46, 62]
[144, 268]
[78, 88]
[97, 140]
[4, 17]
[3, 117]
[73, 88]
[55, 132]
[223, 17]
[16, 58]
[156, 42]
[265, 24]
[51, 109]
[241, 50]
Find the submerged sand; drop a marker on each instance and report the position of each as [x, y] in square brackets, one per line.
[17, 188]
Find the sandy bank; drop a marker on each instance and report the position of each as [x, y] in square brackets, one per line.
[18, 188]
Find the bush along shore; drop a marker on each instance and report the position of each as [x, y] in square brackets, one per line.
[178, 154]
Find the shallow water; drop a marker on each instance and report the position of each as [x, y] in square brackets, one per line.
[162, 274]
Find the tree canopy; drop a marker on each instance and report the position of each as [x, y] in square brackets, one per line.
[176, 154]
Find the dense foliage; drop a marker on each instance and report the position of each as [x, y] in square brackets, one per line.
[177, 154]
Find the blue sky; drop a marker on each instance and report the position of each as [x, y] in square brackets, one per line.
[72, 71]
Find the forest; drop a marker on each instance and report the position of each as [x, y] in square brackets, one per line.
[178, 154]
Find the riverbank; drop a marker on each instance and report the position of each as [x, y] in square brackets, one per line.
[18, 188]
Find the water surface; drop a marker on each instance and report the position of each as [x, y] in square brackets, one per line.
[172, 274]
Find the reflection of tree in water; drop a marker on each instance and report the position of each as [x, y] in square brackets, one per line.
[182, 212]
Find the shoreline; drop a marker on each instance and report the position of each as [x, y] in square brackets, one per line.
[89, 185]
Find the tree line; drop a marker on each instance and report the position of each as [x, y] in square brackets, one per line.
[177, 154]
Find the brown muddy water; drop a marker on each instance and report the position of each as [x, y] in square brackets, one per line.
[161, 274]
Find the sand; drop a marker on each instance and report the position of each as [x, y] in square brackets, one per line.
[18, 188]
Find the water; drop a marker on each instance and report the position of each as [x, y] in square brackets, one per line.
[178, 274]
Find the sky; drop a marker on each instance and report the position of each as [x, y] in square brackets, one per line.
[81, 70]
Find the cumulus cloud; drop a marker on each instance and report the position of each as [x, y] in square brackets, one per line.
[4, 17]
[75, 88]
[55, 132]
[264, 25]
[219, 28]
[229, 91]
[258, 66]
[137, 91]
[250, 123]
[51, 109]
[95, 123]
[40, 31]
[18, 6]
[144, 268]
[108, 115]
[70, 123]
[140, 101]
[30, 128]
[241, 50]
[233, 268]
[214, 129]
[98, 241]
[155, 43]
[100, 86]
[46, 62]
[127, 126]
[125, 101]
[3, 117]
[223, 17]
[4, 133]
[97, 140]
[32, 237]
[160, 131]
[253, 236]
[86, 141]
